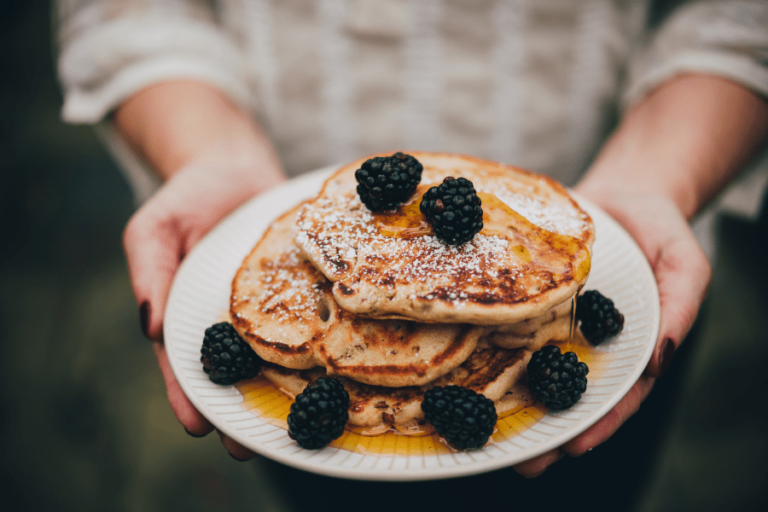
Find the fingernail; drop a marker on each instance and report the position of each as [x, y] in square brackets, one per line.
[194, 435]
[144, 311]
[665, 359]
[575, 455]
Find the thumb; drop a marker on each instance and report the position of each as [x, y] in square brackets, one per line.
[682, 270]
[682, 274]
[153, 249]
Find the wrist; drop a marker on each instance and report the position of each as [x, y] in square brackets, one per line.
[603, 185]
[247, 158]
[684, 142]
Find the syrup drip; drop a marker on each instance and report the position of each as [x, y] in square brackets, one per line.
[572, 329]
[407, 221]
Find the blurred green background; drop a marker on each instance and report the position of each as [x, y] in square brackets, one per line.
[84, 423]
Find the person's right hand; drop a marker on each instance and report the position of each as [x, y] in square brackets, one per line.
[213, 157]
[158, 237]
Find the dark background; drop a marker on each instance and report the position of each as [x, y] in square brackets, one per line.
[84, 423]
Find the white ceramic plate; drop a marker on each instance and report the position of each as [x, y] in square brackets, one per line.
[200, 293]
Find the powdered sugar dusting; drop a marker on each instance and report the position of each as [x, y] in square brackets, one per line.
[427, 258]
[540, 208]
[333, 229]
[289, 288]
[338, 231]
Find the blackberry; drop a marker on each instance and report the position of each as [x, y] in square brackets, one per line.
[556, 380]
[319, 414]
[385, 182]
[226, 357]
[454, 210]
[464, 418]
[598, 316]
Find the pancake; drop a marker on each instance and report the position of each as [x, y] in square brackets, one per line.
[283, 307]
[533, 253]
[554, 325]
[490, 371]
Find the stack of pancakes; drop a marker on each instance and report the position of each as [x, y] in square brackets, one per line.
[376, 300]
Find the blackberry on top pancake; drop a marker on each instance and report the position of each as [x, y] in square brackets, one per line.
[385, 182]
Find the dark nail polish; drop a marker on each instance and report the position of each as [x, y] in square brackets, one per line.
[144, 311]
[665, 359]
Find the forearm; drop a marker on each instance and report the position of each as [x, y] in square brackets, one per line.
[175, 124]
[684, 141]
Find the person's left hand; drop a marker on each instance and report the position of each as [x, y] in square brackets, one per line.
[682, 274]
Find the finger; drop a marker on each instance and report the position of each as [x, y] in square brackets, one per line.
[610, 423]
[153, 251]
[236, 450]
[536, 466]
[682, 274]
[193, 422]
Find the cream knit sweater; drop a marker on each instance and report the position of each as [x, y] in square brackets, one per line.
[537, 83]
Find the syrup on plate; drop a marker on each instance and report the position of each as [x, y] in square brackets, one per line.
[262, 397]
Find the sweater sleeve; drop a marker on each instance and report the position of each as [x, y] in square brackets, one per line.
[108, 50]
[728, 38]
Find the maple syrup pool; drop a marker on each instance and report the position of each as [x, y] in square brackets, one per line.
[272, 405]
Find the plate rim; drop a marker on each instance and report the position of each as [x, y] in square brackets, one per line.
[408, 474]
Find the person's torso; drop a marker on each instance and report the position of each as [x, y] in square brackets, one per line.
[528, 82]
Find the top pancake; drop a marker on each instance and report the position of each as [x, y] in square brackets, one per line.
[533, 252]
